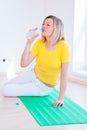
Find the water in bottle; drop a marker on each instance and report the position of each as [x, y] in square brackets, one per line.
[32, 33]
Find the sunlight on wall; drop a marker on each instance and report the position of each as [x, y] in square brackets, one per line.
[79, 33]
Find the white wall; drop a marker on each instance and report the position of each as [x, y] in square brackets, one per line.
[17, 16]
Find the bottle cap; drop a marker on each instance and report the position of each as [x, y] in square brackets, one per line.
[42, 29]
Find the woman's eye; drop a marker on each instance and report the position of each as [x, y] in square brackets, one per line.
[45, 24]
[48, 25]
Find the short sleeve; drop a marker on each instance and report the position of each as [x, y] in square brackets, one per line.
[66, 53]
[34, 49]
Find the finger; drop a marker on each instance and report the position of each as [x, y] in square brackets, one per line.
[58, 105]
[55, 103]
[61, 105]
[33, 29]
[33, 38]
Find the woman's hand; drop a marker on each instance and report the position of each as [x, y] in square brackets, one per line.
[58, 103]
[27, 57]
[30, 40]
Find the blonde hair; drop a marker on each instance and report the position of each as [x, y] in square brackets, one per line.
[58, 33]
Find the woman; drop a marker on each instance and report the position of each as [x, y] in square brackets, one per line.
[52, 54]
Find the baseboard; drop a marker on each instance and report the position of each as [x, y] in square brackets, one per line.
[79, 80]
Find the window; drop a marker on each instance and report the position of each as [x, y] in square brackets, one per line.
[80, 39]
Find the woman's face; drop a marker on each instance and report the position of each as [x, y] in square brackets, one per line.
[48, 27]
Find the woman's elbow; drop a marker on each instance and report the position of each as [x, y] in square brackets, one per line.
[23, 64]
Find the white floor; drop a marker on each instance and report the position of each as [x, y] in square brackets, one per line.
[16, 117]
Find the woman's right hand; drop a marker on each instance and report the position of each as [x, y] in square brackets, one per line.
[30, 40]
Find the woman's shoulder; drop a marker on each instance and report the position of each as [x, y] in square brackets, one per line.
[64, 43]
[39, 41]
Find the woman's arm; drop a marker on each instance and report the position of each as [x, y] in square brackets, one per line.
[27, 57]
[63, 84]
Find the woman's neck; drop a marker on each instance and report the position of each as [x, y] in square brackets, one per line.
[50, 45]
[50, 42]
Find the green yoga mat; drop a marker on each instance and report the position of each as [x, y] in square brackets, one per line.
[46, 115]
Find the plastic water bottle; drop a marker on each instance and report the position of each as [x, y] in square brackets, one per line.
[32, 33]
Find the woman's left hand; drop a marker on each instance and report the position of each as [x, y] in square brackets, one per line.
[58, 103]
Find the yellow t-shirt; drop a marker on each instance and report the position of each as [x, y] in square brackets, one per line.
[48, 63]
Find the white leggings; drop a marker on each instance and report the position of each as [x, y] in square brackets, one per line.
[26, 84]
